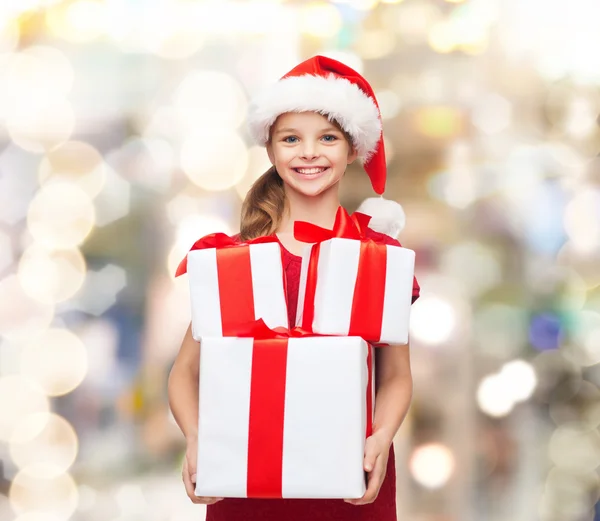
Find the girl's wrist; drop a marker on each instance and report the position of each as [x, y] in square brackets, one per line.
[384, 435]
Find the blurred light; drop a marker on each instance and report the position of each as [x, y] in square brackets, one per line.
[7, 255]
[210, 101]
[44, 438]
[20, 315]
[182, 206]
[582, 220]
[101, 340]
[100, 290]
[16, 190]
[78, 21]
[500, 330]
[61, 215]
[320, 19]
[9, 34]
[493, 397]
[113, 202]
[442, 38]
[586, 336]
[576, 447]
[19, 397]
[258, 164]
[215, 161]
[131, 500]
[170, 30]
[391, 1]
[582, 117]
[413, 21]
[492, 113]
[519, 379]
[559, 379]
[428, 310]
[148, 162]
[76, 162]
[56, 360]
[439, 122]
[37, 125]
[545, 331]
[474, 264]
[375, 43]
[363, 5]
[568, 495]
[36, 515]
[51, 276]
[189, 231]
[38, 485]
[432, 465]
[87, 498]
[389, 103]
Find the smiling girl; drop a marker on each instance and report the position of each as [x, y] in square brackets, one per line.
[314, 122]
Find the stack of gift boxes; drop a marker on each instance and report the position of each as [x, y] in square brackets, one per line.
[286, 412]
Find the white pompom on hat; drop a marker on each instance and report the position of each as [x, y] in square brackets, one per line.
[387, 216]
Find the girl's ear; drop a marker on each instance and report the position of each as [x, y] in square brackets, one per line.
[352, 155]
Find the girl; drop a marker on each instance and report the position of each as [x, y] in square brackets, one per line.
[314, 122]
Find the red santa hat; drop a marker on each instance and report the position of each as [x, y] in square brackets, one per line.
[331, 88]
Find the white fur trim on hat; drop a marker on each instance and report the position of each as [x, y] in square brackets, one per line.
[387, 216]
[334, 97]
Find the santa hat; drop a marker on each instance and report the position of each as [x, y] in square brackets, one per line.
[331, 88]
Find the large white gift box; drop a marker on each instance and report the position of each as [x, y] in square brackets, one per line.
[284, 417]
[356, 288]
[232, 285]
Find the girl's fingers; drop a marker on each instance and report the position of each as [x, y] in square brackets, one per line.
[373, 485]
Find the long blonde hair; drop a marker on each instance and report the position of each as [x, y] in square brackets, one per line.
[265, 203]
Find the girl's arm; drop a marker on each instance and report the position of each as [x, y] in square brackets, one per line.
[183, 401]
[392, 401]
[183, 386]
[394, 389]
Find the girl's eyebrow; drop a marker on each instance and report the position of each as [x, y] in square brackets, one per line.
[327, 129]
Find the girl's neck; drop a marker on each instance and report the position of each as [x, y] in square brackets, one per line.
[319, 210]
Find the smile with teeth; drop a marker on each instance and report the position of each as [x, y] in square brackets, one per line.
[308, 171]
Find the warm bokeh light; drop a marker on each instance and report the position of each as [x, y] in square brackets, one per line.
[376, 43]
[56, 360]
[574, 446]
[438, 122]
[20, 315]
[114, 201]
[61, 215]
[78, 21]
[189, 231]
[215, 161]
[101, 289]
[51, 276]
[582, 220]
[432, 465]
[7, 255]
[431, 308]
[76, 162]
[44, 439]
[519, 379]
[209, 101]
[258, 164]
[320, 19]
[493, 397]
[43, 484]
[19, 397]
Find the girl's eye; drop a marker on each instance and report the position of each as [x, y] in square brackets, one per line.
[332, 138]
[287, 139]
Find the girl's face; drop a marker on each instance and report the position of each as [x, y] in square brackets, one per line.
[309, 152]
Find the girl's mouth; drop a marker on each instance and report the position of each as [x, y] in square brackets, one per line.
[311, 172]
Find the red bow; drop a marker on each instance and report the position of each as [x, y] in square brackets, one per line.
[260, 331]
[345, 226]
[218, 240]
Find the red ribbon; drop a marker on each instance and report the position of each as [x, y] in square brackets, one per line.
[345, 226]
[234, 273]
[367, 303]
[219, 241]
[267, 406]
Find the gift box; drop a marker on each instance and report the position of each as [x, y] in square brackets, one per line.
[354, 286]
[233, 284]
[283, 417]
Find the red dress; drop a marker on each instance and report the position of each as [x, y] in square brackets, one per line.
[382, 509]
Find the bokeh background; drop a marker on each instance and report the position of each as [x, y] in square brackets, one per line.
[122, 140]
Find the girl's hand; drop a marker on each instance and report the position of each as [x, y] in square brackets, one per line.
[377, 452]
[189, 475]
